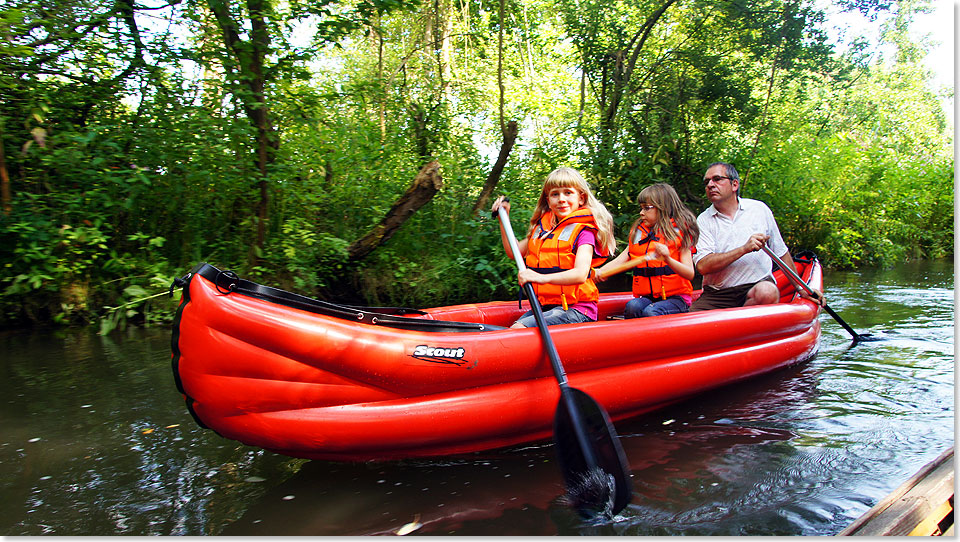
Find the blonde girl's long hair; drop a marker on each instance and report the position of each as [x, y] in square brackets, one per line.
[668, 204]
[568, 177]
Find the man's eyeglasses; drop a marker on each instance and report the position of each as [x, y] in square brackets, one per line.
[715, 178]
[648, 207]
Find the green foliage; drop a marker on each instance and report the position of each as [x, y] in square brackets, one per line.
[856, 206]
[867, 182]
[128, 167]
[466, 266]
[63, 272]
[311, 261]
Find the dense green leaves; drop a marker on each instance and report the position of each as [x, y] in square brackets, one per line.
[265, 137]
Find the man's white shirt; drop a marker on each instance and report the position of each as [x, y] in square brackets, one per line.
[718, 234]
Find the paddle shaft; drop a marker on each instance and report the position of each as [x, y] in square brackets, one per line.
[797, 281]
[627, 265]
[585, 446]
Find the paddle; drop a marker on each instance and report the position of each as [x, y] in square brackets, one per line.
[591, 458]
[798, 282]
[627, 265]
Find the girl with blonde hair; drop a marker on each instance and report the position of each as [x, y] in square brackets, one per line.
[661, 244]
[570, 232]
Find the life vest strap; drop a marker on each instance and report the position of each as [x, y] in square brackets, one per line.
[651, 237]
[546, 270]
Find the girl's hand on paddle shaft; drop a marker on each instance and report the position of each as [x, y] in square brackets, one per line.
[528, 275]
[500, 202]
[660, 252]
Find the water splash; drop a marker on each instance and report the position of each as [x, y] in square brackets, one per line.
[592, 495]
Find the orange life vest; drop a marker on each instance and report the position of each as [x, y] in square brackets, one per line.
[654, 278]
[550, 250]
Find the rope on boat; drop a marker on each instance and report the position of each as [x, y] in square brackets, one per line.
[227, 282]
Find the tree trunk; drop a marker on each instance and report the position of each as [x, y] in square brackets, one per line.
[383, 91]
[622, 65]
[424, 186]
[764, 121]
[250, 57]
[509, 138]
[5, 198]
[509, 130]
[259, 113]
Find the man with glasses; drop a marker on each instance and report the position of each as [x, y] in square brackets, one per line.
[736, 272]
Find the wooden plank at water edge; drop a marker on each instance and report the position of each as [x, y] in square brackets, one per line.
[922, 506]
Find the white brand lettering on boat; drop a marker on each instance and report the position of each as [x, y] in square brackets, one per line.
[439, 355]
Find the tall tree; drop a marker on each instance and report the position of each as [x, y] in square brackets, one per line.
[256, 52]
[245, 61]
[508, 130]
[664, 78]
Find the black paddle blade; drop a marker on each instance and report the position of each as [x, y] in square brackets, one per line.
[594, 490]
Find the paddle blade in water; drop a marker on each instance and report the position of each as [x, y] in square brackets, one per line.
[592, 494]
[601, 489]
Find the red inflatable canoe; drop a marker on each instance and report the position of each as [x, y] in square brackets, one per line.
[311, 379]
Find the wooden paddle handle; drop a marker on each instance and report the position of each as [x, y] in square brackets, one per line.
[625, 266]
[511, 238]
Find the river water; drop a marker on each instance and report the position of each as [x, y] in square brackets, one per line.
[95, 440]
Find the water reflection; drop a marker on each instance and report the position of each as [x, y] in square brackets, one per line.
[677, 462]
[95, 440]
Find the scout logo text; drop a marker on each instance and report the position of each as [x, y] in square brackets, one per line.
[439, 355]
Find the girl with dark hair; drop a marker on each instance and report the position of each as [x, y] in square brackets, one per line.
[661, 241]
